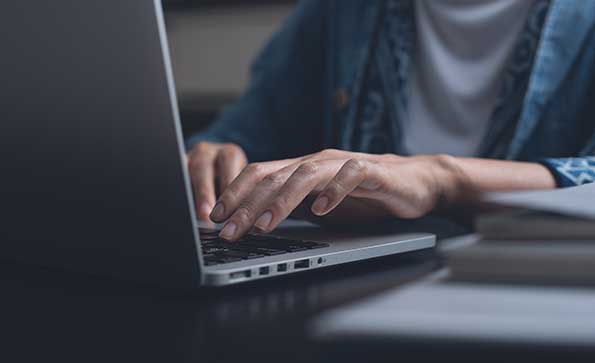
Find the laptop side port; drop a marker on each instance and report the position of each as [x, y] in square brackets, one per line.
[240, 275]
[264, 270]
[301, 264]
[282, 267]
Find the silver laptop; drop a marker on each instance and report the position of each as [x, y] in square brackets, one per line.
[93, 169]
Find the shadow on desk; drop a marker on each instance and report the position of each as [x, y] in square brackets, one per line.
[61, 316]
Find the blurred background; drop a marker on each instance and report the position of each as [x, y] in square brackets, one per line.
[213, 43]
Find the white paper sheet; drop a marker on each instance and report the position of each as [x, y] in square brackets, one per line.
[575, 201]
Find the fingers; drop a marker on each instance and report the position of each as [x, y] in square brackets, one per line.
[301, 183]
[243, 218]
[202, 173]
[229, 163]
[277, 196]
[242, 186]
[352, 174]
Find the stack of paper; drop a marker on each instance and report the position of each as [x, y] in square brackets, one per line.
[552, 214]
[544, 237]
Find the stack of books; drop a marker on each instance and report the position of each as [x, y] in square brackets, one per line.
[545, 237]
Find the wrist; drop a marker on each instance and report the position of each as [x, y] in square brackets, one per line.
[451, 181]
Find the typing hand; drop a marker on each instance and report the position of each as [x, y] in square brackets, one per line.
[264, 194]
[213, 166]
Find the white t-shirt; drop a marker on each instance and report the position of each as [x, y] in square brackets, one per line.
[462, 49]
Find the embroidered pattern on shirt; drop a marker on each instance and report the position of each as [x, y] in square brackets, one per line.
[573, 171]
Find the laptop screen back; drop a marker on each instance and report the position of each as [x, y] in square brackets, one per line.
[90, 150]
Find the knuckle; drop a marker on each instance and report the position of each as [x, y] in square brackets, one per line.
[335, 190]
[422, 197]
[356, 165]
[274, 179]
[202, 147]
[229, 196]
[255, 169]
[231, 150]
[308, 168]
[329, 152]
[231, 191]
[225, 154]
[279, 206]
[243, 215]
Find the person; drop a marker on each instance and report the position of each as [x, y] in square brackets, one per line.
[363, 110]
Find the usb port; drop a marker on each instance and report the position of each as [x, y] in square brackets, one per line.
[264, 270]
[240, 275]
[302, 264]
[282, 267]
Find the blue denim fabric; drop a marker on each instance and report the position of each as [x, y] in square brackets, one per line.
[306, 89]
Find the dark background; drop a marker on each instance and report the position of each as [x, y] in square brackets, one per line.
[180, 4]
[198, 61]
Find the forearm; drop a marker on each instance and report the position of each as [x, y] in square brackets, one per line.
[473, 175]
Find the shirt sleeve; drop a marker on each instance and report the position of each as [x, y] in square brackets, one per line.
[280, 115]
[571, 171]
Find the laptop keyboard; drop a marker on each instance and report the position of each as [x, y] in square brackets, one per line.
[218, 251]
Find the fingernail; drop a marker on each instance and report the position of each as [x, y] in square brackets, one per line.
[218, 211]
[228, 231]
[320, 205]
[204, 210]
[264, 220]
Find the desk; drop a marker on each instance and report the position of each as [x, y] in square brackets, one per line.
[62, 317]
[56, 316]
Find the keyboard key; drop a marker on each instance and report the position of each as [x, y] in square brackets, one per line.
[256, 237]
[227, 259]
[314, 245]
[277, 245]
[214, 249]
[259, 251]
[251, 256]
[231, 253]
[245, 255]
[208, 231]
[271, 252]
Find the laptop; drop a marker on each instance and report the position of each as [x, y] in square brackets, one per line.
[94, 174]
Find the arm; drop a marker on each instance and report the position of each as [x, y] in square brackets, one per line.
[375, 186]
[485, 175]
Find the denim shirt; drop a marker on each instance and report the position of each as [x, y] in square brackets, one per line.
[396, 43]
[307, 84]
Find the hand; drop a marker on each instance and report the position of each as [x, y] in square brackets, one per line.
[213, 166]
[264, 194]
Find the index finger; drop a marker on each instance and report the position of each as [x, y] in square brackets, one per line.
[243, 185]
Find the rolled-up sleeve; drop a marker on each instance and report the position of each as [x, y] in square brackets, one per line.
[571, 171]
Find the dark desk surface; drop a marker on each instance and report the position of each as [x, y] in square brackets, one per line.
[56, 316]
[68, 317]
